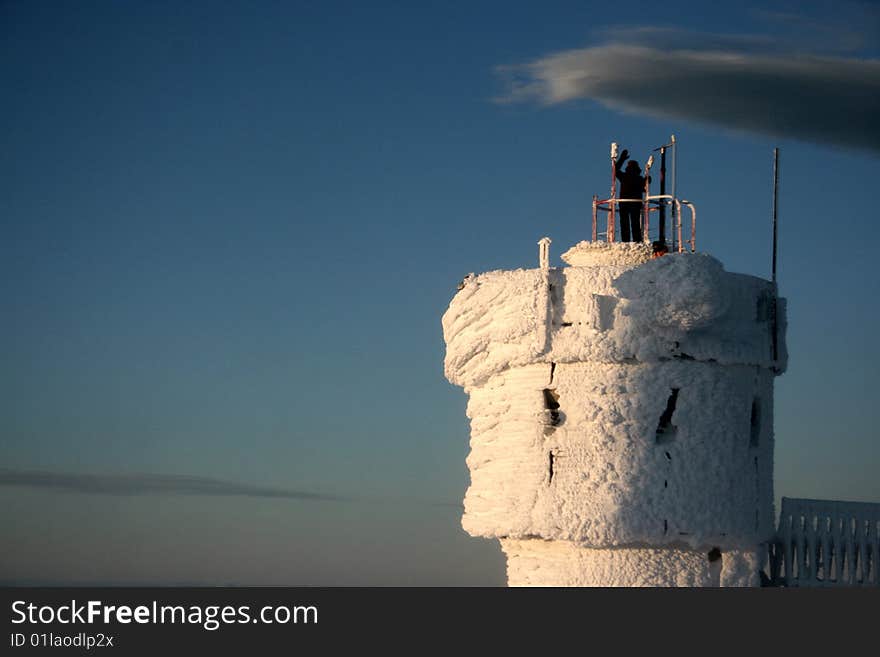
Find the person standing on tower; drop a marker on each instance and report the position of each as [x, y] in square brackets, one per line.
[632, 185]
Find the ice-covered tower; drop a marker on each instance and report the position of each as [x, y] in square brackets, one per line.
[621, 416]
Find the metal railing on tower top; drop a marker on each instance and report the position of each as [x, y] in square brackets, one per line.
[650, 203]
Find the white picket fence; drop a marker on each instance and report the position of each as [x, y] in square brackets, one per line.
[826, 543]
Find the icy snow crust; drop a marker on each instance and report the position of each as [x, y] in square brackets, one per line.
[561, 563]
[611, 342]
[678, 306]
[590, 254]
[600, 477]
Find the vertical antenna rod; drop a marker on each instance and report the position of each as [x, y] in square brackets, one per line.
[775, 205]
[775, 327]
[609, 235]
[676, 217]
[662, 204]
[662, 218]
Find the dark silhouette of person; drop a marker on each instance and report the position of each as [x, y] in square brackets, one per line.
[632, 185]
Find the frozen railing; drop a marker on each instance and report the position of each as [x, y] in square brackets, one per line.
[826, 543]
[649, 204]
[661, 203]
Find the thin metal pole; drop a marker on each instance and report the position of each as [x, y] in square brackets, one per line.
[610, 227]
[609, 236]
[775, 328]
[677, 206]
[595, 230]
[693, 226]
[775, 207]
[662, 218]
[675, 209]
[646, 207]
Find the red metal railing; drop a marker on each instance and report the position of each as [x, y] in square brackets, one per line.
[649, 204]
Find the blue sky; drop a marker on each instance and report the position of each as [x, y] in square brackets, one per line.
[230, 231]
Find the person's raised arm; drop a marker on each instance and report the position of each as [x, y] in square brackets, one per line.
[618, 166]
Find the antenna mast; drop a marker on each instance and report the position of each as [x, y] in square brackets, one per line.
[775, 205]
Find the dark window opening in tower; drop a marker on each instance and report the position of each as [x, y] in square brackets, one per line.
[552, 461]
[755, 423]
[665, 428]
[554, 295]
[551, 403]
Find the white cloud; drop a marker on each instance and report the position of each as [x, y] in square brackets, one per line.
[827, 99]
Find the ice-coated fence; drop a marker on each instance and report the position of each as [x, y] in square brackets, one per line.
[826, 543]
[649, 204]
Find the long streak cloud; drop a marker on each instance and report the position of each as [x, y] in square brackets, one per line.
[147, 484]
[826, 99]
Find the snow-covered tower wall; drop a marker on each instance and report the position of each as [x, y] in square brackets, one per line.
[621, 417]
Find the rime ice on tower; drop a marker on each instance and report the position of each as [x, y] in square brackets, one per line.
[621, 416]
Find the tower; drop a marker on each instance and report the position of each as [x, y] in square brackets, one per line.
[621, 414]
